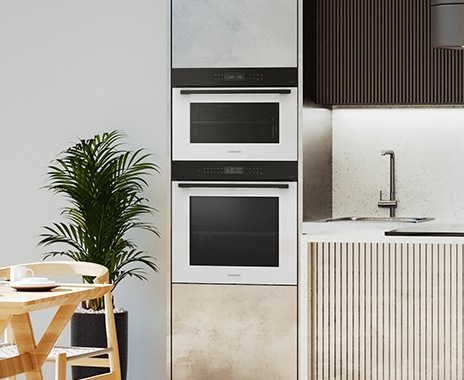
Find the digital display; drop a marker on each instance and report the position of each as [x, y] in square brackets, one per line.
[234, 76]
[237, 170]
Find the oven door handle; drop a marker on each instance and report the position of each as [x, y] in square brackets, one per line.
[238, 185]
[257, 91]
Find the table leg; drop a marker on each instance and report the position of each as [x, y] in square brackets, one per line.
[54, 330]
[25, 341]
[24, 336]
[4, 320]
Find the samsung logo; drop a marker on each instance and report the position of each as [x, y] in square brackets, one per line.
[234, 275]
[234, 151]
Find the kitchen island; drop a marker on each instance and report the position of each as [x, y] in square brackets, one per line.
[381, 306]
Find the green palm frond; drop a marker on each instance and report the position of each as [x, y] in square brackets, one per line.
[104, 184]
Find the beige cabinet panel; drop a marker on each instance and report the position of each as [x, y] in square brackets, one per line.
[234, 332]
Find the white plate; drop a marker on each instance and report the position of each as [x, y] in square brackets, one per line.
[33, 287]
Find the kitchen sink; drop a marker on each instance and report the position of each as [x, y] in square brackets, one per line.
[384, 219]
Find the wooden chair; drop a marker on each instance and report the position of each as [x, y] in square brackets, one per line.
[76, 356]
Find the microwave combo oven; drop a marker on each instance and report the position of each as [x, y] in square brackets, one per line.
[242, 114]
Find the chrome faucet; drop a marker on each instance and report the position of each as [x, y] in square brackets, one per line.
[392, 203]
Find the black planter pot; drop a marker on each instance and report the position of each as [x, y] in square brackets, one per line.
[88, 330]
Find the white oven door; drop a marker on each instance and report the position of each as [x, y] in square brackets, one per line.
[234, 232]
[247, 124]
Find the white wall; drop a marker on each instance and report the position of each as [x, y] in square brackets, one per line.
[429, 148]
[72, 69]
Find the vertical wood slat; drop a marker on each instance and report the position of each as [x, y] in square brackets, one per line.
[378, 52]
[385, 311]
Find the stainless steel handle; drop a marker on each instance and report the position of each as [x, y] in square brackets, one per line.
[238, 91]
[238, 185]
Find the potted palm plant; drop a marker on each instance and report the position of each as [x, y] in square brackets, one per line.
[104, 184]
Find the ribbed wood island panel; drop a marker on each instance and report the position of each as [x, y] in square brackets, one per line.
[385, 311]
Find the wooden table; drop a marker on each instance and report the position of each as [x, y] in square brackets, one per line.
[15, 308]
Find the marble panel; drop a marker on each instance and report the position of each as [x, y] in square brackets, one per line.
[429, 151]
[239, 33]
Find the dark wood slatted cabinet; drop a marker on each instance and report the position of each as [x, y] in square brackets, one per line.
[376, 52]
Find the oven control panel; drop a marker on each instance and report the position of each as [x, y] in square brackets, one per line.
[234, 170]
[235, 77]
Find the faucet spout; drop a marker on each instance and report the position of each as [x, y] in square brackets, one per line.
[387, 152]
[392, 203]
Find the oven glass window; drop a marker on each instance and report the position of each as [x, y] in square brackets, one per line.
[229, 123]
[234, 231]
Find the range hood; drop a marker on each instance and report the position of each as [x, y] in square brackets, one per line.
[447, 24]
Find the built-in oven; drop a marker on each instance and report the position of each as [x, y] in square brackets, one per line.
[233, 115]
[235, 231]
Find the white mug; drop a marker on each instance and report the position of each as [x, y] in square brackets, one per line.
[18, 272]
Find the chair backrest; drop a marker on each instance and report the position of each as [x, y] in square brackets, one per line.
[99, 272]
